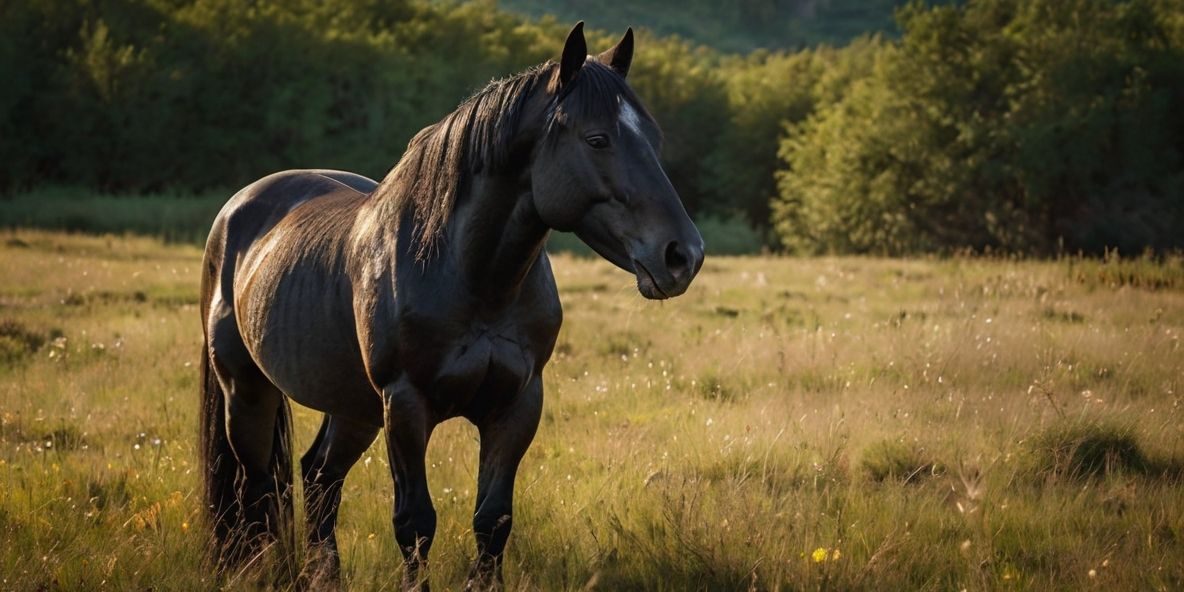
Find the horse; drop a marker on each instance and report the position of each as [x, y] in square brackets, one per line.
[397, 305]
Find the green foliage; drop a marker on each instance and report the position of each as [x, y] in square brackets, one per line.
[765, 91]
[680, 84]
[143, 95]
[1023, 126]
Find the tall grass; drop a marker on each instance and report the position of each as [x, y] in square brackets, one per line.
[789, 424]
[177, 217]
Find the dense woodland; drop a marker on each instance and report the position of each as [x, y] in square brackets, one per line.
[1008, 125]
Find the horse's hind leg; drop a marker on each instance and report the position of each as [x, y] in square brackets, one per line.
[338, 445]
[257, 430]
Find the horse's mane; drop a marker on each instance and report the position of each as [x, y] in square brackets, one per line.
[478, 136]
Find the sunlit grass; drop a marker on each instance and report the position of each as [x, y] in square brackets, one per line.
[793, 424]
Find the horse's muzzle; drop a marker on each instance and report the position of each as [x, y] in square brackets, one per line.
[669, 274]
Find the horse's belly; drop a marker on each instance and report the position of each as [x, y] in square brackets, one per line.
[323, 374]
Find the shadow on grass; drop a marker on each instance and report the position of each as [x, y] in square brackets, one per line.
[1088, 448]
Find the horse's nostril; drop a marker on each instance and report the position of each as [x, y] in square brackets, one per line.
[677, 260]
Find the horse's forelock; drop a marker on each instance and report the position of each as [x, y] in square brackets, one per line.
[596, 93]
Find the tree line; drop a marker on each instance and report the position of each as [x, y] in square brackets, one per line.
[1017, 125]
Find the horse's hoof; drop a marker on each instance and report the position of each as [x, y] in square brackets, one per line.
[484, 577]
[483, 585]
[319, 575]
[415, 586]
[415, 581]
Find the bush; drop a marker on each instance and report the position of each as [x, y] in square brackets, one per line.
[893, 459]
[17, 342]
[566, 242]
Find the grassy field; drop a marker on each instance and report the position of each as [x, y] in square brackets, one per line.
[792, 424]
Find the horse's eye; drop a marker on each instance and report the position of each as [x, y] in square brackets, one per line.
[597, 141]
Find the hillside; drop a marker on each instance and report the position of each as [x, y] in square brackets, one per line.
[729, 26]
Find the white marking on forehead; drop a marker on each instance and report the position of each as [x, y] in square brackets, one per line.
[629, 116]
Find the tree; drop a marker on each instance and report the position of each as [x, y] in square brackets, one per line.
[998, 124]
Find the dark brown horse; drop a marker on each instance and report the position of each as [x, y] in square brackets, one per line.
[428, 296]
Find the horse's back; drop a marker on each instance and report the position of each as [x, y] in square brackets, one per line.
[259, 206]
[256, 209]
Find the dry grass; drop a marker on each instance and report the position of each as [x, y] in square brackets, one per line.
[793, 424]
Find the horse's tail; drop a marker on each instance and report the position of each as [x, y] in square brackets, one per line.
[240, 525]
[284, 530]
[220, 467]
[281, 527]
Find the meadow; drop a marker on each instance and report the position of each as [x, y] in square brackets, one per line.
[788, 424]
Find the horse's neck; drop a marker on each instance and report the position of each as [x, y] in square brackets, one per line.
[494, 237]
[489, 245]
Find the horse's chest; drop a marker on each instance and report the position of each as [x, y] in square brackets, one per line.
[489, 357]
[484, 363]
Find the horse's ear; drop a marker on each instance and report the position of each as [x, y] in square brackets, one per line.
[575, 51]
[619, 56]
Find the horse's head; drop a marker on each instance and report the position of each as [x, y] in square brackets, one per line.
[597, 174]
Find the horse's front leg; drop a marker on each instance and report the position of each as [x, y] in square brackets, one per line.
[408, 427]
[505, 436]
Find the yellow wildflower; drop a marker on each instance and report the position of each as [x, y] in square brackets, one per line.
[819, 555]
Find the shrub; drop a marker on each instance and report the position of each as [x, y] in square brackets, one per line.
[729, 236]
[17, 342]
